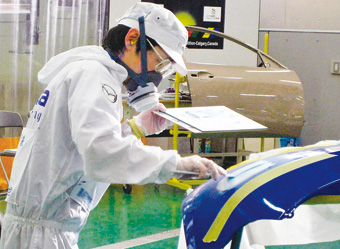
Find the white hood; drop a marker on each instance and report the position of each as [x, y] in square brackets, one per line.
[58, 62]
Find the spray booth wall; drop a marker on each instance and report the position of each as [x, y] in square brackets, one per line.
[31, 32]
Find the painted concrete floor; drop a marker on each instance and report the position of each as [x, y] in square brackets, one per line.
[146, 211]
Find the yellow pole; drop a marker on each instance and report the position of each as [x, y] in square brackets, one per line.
[177, 82]
[265, 49]
[262, 144]
[175, 135]
[266, 43]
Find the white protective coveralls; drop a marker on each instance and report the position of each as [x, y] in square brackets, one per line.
[73, 146]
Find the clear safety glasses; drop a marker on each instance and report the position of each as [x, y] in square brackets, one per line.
[165, 67]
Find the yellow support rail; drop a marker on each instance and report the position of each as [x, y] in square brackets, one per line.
[175, 132]
[182, 184]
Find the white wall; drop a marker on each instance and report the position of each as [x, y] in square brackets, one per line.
[117, 9]
[305, 36]
[300, 14]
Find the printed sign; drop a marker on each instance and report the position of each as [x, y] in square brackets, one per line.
[212, 14]
[202, 13]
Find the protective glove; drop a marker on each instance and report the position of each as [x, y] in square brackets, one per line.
[204, 166]
[147, 123]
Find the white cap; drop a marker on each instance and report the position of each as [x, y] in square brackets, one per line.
[162, 26]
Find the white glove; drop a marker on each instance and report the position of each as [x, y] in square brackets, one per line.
[204, 166]
[151, 123]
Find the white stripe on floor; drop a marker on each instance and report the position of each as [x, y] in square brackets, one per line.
[143, 240]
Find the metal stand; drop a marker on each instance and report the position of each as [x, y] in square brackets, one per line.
[236, 241]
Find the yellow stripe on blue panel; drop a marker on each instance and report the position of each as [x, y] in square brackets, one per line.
[249, 187]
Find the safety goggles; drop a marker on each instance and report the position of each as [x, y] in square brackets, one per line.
[165, 67]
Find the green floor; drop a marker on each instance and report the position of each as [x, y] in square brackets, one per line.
[145, 211]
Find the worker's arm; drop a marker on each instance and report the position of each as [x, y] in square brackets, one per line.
[109, 154]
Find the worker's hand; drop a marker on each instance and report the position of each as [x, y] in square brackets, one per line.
[204, 166]
[152, 123]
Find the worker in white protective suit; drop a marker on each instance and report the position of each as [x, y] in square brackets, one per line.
[74, 144]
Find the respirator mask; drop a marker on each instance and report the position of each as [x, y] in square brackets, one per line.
[142, 88]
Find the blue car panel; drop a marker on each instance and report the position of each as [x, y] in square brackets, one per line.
[270, 187]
